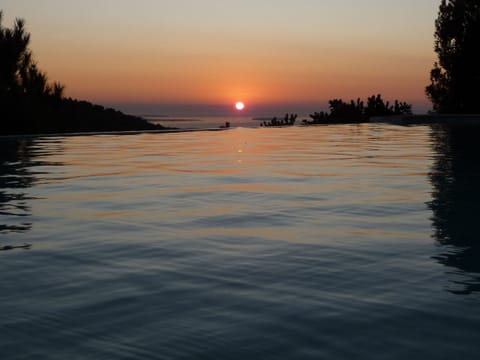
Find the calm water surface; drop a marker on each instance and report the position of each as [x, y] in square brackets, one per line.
[329, 242]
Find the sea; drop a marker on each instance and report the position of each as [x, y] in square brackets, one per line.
[355, 241]
[210, 122]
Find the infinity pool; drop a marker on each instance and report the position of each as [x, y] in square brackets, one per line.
[327, 242]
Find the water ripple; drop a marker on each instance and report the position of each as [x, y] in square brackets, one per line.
[296, 243]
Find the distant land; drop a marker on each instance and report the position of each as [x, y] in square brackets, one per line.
[67, 116]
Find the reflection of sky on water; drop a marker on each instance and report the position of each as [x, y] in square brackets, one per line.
[455, 179]
[261, 163]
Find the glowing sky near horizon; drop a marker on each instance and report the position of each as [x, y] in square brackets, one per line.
[220, 52]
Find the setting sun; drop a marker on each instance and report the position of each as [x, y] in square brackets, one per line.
[239, 106]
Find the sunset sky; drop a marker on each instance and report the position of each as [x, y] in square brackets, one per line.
[268, 53]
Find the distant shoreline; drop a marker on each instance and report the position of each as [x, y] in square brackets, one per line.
[470, 119]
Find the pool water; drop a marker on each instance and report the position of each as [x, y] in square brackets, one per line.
[324, 242]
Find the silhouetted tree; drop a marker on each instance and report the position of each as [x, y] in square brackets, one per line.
[455, 78]
[14, 55]
[317, 118]
[376, 106]
[19, 74]
[288, 120]
[356, 111]
[353, 111]
[30, 104]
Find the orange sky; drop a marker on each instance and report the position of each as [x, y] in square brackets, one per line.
[218, 52]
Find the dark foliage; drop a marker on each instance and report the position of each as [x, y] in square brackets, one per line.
[455, 78]
[356, 111]
[30, 104]
[288, 120]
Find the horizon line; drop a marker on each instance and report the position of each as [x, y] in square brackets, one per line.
[214, 110]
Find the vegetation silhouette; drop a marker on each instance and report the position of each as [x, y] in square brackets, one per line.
[455, 77]
[288, 120]
[30, 104]
[357, 111]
